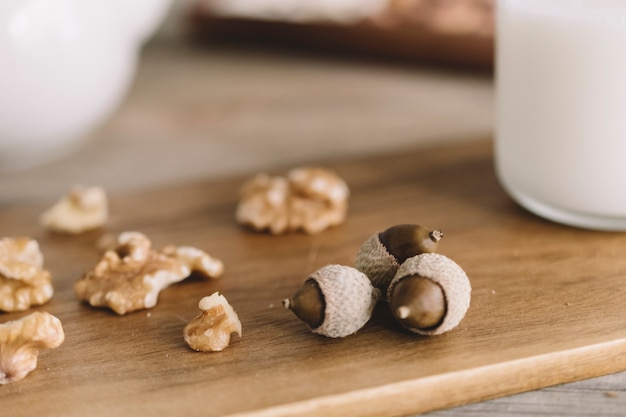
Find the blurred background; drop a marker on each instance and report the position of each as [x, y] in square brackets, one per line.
[454, 32]
[209, 88]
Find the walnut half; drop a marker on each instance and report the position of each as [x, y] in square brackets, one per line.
[21, 340]
[82, 209]
[23, 281]
[308, 199]
[196, 260]
[210, 331]
[130, 276]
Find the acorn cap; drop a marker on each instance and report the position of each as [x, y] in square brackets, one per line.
[376, 262]
[350, 299]
[452, 279]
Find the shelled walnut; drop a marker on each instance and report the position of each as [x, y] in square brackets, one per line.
[196, 260]
[21, 340]
[131, 276]
[23, 281]
[210, 331]
[82, 209]
[308, 199]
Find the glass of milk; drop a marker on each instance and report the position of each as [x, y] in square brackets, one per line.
[560, 146]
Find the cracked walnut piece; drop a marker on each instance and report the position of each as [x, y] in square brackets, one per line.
[82, 209]
[196, 260]
[309, 199]
[210, 331]
[131, 276]
[23, 281]
[21, 340]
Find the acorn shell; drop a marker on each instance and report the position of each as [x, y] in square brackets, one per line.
[452, 279]
[350, 299]
[376, 262]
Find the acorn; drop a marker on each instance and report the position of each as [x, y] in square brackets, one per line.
[381, 255]
[335, 301]
[429, 294]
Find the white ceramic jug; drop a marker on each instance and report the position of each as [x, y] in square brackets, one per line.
[561, 102]
[64, 67]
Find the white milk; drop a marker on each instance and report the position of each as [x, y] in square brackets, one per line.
[561, 109]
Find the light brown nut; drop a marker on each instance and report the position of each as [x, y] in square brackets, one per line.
[320, 199]
[309, 199]
[196, 260]
[263, 204]
[131, 274]
[130, 277]
[21, 340]
[320, 184]
[211, 330]
[23, 281]
[82, 209]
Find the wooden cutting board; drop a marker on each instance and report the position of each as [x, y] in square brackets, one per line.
[547, 304]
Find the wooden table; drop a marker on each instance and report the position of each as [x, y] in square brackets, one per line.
[198, 121]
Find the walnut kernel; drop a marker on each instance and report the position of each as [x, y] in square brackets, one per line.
[308, 199]
[196, 260]
[130, 276]
[21, 340]
[23, 281]
[82, 209]
[210, 331]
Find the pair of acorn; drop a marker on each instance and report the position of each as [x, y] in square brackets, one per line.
[427, 293]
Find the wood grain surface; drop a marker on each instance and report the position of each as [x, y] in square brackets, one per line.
[402, 44]
[547, 304]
